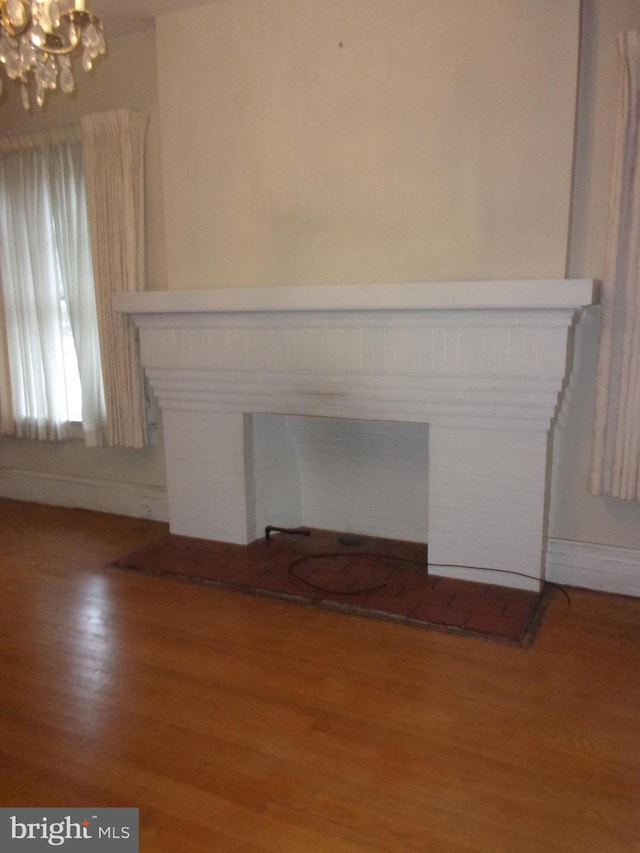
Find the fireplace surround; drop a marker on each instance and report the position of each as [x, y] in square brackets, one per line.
[481, 364]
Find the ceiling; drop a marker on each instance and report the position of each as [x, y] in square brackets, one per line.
[127, 16]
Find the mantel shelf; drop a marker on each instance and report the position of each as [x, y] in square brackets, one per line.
[540, 294]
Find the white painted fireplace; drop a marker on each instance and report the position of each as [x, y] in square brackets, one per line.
[251, 380]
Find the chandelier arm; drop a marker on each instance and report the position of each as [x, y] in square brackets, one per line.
[55, 46]
[54, 43]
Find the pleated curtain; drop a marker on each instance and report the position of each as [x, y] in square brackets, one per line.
[615, 452]
[113, 149]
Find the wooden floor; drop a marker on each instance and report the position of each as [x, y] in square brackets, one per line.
[246, 724]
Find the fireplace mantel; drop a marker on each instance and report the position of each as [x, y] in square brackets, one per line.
[541, 294]
[482, 364]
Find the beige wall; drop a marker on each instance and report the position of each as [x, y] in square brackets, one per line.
[128, 78]
[338, 141]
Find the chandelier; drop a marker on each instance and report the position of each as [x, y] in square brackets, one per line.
[38, 39]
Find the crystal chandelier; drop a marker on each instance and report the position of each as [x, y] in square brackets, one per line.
[38, 39]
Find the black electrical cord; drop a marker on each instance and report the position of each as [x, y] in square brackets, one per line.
[335, 555]
[365, 590]
[504, 572]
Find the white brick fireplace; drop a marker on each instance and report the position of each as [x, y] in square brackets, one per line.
[471, 372]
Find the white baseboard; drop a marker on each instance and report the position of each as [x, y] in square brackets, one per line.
[138, 501]
[606, 568]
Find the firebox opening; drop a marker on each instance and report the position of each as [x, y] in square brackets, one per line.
[356, 476]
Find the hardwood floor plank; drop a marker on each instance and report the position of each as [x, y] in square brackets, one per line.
[238, 723]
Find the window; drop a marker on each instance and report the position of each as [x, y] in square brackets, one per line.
[47, 284]
[73, 386]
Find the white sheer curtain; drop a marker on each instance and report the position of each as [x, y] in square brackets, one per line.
[7, 422]
[69, 211]
[615, 453]
[42, 207]
[113, 145]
